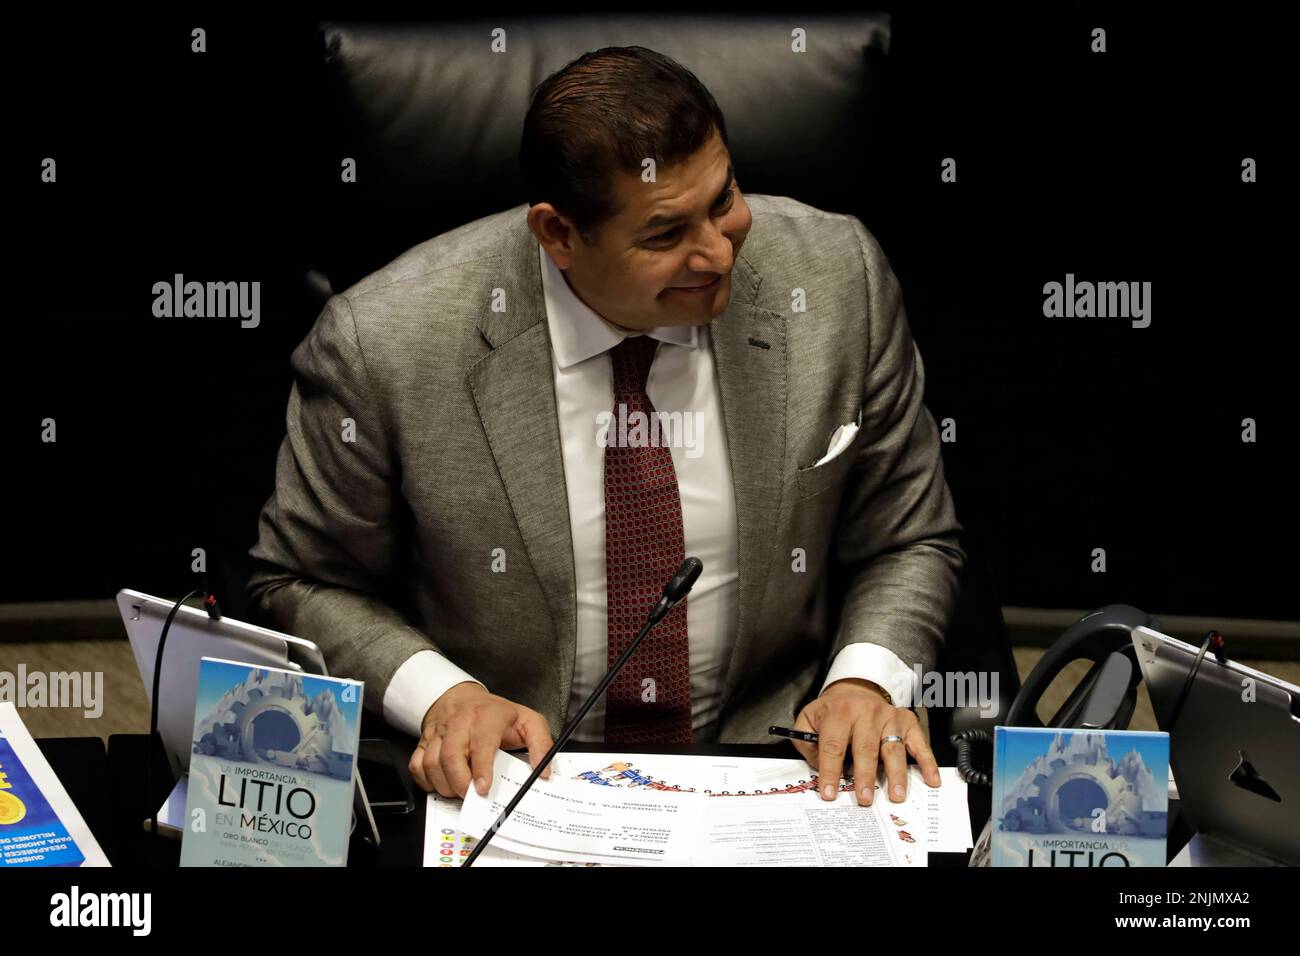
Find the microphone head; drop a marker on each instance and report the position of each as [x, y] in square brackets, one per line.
[683, 580]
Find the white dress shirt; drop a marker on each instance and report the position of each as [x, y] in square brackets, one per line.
[681, 379]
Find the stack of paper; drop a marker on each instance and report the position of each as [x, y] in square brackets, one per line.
[620, 809]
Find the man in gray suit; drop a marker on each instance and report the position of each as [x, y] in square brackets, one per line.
[501, 444]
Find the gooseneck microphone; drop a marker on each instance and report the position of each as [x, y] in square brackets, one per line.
[674, 591]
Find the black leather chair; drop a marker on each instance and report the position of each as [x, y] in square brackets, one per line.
[432, 116]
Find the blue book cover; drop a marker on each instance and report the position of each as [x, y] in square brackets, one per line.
[31, 833]
[1079, 798]
[271, 772]
[39, 824]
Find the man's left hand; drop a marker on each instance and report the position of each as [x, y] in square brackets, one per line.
[851, 718]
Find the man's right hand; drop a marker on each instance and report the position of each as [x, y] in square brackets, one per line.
[461, 734]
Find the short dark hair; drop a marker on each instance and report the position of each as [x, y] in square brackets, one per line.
[604, 113]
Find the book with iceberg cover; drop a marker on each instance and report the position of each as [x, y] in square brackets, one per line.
[39, 824]
[1060, 799]
[271, 771]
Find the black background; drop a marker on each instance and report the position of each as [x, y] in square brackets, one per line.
[1072, 434]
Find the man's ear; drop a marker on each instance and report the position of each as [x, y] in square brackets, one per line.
[556, 233]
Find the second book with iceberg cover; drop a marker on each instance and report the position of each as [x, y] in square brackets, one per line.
[1079, 798]
[271, 772]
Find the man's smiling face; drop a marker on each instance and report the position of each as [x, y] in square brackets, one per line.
[683, 230]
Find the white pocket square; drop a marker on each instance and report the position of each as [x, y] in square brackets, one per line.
[841, 439]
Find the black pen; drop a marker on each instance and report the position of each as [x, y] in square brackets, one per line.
[807, 736]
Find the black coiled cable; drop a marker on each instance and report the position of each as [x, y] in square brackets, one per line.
[962, 742]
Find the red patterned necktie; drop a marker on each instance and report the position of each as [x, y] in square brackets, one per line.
[649, 702]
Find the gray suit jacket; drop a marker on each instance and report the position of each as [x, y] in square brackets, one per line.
[422, 434]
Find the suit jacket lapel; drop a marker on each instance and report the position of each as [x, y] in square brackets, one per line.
[749, 348]
[514, 390]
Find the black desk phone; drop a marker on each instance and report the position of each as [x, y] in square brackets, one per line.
[1103, 699]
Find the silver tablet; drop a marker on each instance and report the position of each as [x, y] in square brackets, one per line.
[1233, 750]
[194, 635]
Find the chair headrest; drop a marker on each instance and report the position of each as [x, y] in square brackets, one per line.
[432, 115]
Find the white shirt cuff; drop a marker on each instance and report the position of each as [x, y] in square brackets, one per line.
[422, 679]
[876, 663]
